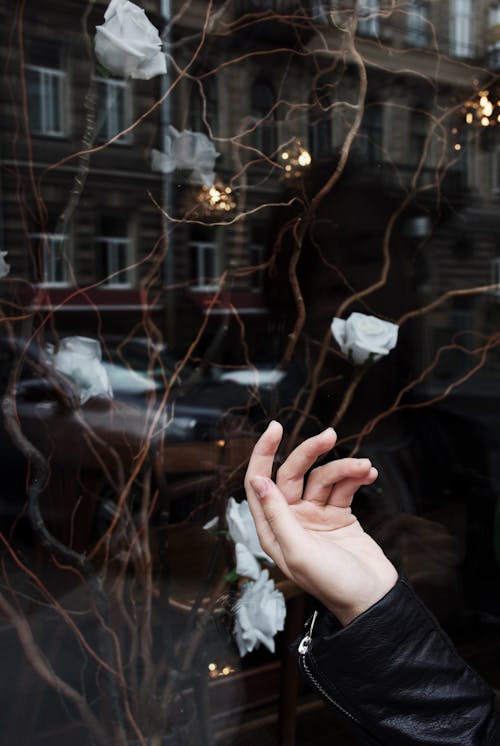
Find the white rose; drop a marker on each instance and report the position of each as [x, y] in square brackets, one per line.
[364, 338]
[246, 564]
[242, 528]
[79, 358]
[260, 614]
[191, 151]
[4, 267]
[128, 44]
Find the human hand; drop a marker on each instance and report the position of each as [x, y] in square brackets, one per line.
[309, 529]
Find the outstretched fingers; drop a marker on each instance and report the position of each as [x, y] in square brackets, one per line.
[286, 531]
[343, 492]
[261, 465]
[323, 481]
[263, 454]
[290, 476]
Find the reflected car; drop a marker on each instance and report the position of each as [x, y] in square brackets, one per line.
[195, 425]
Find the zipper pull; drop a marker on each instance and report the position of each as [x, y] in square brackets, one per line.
[306, 640]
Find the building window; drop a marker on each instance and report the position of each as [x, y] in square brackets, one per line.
[53, 260]
[203, 249]
[461, 20]
[204, 261]
[494, 33]
[319, 11]
[114, 252]
[113, 109]
[46, 93]
[369, 142]
[369, 19]
[263, 98]
[417, 33]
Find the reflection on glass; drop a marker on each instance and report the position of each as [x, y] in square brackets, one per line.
[329, 171]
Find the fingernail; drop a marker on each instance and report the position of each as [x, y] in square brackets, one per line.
[260, 485]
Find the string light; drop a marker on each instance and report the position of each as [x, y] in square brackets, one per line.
[214, 672]
[482, 110]
[296, 159]
[216, 198]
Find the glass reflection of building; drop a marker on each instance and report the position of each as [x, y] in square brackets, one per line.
[423, 61]
[393, 133]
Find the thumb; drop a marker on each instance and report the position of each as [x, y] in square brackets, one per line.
[278, 515]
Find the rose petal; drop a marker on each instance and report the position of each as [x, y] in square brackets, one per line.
[127, 43]
[364, 338]
[259, 614]
[79, 358]
[4, 267]
[246, 564]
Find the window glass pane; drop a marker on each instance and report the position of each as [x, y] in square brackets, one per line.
[461, 28]
[45, 80]
[418, 23]
[111, 113]
[368, 23]
[52, 251]
[35, 97]
[115, 249]
[301, 224]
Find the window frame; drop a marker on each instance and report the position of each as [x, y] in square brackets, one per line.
[461, 29]
[111, 86]
[417, 23]
[369, 18]
[43, 239]
[106, 242]
[45, 97]
[201, 248]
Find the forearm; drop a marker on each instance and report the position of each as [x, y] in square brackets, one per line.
[394, 673]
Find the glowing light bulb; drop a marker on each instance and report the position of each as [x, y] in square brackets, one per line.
[458, 146]
[285, 156]
[485, 122]
[304, 158]
[488, 109]
[469, 117]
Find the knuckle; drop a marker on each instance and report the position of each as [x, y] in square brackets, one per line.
[283, 474]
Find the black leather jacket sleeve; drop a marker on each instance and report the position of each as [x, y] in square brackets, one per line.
[397, 678]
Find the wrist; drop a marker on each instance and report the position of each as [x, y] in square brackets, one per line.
[371, 593]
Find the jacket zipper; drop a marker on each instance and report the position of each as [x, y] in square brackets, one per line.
[303, 649]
